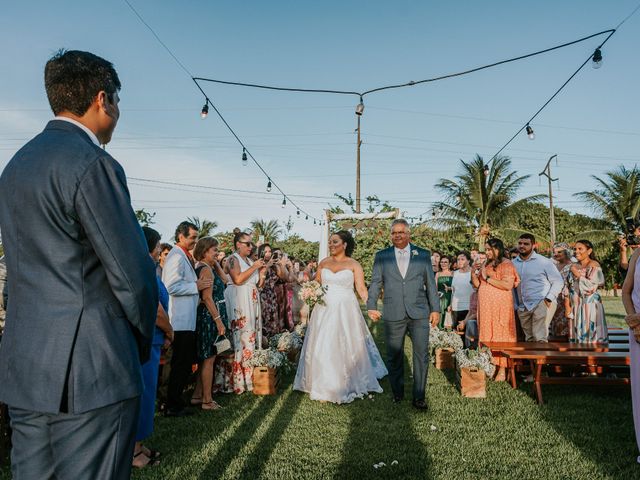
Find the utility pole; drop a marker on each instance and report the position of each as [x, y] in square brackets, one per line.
[359, 112]
[547, 173]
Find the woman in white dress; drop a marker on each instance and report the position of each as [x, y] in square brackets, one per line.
[243, 309]
[339, 360]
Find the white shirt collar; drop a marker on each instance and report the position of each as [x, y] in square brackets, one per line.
[406, 249]
[92, 135]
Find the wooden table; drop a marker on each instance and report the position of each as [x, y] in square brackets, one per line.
[540, 358]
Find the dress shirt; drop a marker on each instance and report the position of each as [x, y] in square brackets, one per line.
[92, 135]
[539, 280]
[402, 257]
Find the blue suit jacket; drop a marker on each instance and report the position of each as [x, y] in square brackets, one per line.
[82, 286]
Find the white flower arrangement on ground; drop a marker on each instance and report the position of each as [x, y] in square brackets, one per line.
[270, 358]
[444, 339]
[286, 341]
[481, 359]
[312, 293]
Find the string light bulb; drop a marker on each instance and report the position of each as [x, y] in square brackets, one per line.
[530, 133]
[297, 213]
[205, 110]
[245, 160]
[314, 221]
[284, 202]
[269, 185]
[306, 217]
[486, 170]
[597, 59]
[360, 108]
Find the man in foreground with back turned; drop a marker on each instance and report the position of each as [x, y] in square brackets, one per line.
[81, 283]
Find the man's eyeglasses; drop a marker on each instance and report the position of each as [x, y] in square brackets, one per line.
[248, 244]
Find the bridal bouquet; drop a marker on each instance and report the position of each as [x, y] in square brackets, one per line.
[286, 342]
[312, 293]
[444, 339]
[480, 359]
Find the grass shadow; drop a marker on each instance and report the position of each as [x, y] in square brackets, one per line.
[571, 413]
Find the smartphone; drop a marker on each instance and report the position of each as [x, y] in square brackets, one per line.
[261, 238]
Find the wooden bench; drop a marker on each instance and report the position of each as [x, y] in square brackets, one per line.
[540, 358]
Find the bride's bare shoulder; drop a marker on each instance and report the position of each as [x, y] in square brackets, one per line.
[354, 264]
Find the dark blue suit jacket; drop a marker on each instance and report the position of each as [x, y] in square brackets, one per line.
[82, 287]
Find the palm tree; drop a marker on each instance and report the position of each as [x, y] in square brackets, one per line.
[480, 201]
[270, 229]
[205, 227]
[617, 198]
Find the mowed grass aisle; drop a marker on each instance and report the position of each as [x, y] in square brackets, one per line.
[581, 433]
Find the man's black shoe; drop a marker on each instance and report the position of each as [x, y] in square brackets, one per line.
[397, 399]
[178, 413]
[420, 404]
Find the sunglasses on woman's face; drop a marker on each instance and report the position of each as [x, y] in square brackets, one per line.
[248, 244]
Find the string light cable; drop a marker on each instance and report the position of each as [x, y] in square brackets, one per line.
[411, 83]
[205, 112]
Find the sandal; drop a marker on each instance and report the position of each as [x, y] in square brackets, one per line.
[212, 405]
[151, 462]
[152, 454]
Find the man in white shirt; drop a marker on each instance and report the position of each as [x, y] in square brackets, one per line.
[179, 276]
[537, 293]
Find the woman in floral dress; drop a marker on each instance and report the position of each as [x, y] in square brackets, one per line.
[244, 309]
[583, 304]
[496, 315]
[559, 326]
[272, 322]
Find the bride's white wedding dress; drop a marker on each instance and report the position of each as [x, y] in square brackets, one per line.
[339, 360]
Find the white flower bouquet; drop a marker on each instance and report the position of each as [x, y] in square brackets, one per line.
[270, 358]
[312, 293]
[301, 329]
[286, 342]
[444, 339]
[480, 359]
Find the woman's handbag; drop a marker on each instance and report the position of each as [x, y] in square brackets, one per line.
[222, 344]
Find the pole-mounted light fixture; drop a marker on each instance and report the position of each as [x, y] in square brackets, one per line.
[360, 107]
[530, 133]
[205, 110]
[597, 59]
[245, 160]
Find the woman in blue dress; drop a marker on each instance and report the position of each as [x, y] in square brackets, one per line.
[143, 456]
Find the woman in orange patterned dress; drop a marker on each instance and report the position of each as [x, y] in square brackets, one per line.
[496, 316]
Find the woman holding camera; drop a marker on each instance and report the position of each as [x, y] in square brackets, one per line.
[272, 323]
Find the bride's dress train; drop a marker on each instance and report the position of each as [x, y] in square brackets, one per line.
[339, 360]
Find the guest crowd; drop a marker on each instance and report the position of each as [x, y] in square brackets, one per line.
[206, 296]
[507, 295]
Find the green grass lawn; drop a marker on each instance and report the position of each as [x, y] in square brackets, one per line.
[580, 433]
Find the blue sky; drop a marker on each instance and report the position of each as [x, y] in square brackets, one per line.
[411, 137]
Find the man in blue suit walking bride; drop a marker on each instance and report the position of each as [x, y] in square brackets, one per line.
[410, 301]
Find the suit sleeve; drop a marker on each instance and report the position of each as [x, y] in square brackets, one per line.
[173, 276]
[376, 284]
[104, 210]
[431, 286]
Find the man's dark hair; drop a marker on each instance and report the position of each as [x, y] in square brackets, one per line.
[73, 79]
[152, 237]
[183, 229]
[528, 236]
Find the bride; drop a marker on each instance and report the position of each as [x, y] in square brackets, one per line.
[339, 360]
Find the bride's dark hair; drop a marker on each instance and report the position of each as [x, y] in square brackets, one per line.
[347, 238]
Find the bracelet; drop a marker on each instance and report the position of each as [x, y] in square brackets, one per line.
[217, 318]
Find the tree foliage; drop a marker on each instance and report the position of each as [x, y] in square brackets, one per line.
[481, 201]
[145, 218]
[270, 229]
[205, 227]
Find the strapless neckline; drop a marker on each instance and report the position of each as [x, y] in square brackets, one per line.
[339, 271]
